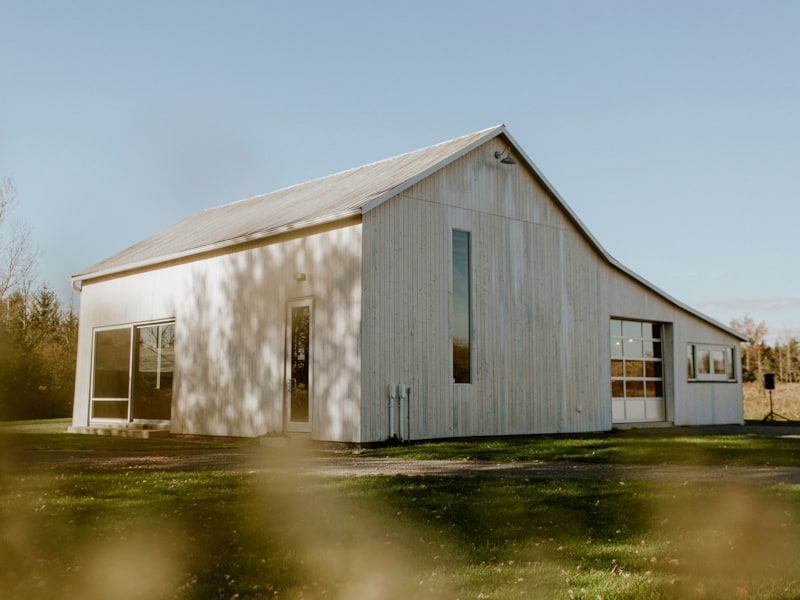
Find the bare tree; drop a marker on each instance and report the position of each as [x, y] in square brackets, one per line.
[7, 195]
[753, 351]
[17, 254]
[786, 358]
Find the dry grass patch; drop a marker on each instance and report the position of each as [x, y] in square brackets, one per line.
[785, 400]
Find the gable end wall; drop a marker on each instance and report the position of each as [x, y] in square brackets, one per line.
[542, 299]
[536, 303]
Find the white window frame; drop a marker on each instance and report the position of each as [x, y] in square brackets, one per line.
[131, 327]
[102, 399]
[729, 363]
[470, 329]
[634, 408]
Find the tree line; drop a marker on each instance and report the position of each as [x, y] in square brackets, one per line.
[782, 358]
[38, 336]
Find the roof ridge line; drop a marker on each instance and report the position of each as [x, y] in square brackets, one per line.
[499, 127]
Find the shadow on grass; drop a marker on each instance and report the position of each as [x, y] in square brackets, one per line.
[614, 448]
[130, 533]
[134, 532]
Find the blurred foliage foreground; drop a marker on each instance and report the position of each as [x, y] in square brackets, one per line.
[268, 530]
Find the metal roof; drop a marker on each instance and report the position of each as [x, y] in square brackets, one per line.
[329, 199]
[314, 202]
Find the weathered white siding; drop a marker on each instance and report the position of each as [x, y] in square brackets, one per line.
[542, 300]
[535, 307]
[688, 403]
[230, 315]
[542, 294]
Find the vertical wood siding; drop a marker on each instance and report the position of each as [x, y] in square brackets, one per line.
[542, 299]
[230, 314]
[688, 403]
[535, 307]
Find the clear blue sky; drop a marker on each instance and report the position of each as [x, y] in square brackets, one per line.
[671, 128]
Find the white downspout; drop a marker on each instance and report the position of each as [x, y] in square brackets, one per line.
[408, 413]
[402, 393]
[392, 410]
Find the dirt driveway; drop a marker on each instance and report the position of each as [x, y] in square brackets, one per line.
[256, 458]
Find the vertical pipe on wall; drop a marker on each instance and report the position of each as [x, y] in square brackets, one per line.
[402, 392]
[392, 410]
[408, 413]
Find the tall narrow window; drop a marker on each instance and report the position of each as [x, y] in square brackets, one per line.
[462, 320]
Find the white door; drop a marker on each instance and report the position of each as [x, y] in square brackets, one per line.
[299, 398]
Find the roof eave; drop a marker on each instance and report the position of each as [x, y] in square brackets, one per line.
[260, 236]
[615, 263]
[604, 253]
[501, 130]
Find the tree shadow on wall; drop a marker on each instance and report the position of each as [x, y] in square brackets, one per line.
[232, 336]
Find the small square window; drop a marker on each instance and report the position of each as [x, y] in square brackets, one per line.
[710, 363]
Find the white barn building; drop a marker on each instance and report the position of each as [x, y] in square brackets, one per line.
[446, 292]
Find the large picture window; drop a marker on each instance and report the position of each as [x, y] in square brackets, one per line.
[461, 309]
[132, 371]
[710, 363]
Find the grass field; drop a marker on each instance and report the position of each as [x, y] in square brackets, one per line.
[785, 400]
[672, 446]
[140, 532]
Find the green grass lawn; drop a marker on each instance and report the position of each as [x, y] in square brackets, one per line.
[132, 532]
[60, 422]
[627, 447]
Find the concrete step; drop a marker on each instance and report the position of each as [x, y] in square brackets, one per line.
[132, 430]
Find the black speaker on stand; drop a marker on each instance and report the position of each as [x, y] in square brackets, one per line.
[769, 384]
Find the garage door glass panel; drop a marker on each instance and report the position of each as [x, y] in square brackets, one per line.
[637, 385]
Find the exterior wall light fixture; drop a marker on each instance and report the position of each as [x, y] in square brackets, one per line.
[504, 157]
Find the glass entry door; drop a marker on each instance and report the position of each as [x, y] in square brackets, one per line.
[298, 361]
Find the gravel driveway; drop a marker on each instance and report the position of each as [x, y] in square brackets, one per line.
[348, 464]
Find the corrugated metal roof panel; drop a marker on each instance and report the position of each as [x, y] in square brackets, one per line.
[316, 201]
[325, 200]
